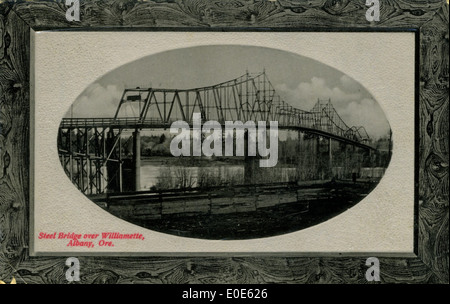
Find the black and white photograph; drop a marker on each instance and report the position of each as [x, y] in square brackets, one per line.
[119, 144]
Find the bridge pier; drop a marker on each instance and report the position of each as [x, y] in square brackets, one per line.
[318, 160]
[330, 157]
[249, 162]
[120, 165]
[300, 147]
[136, 166]
[111, 166]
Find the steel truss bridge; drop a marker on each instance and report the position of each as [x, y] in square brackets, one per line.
[89, 148]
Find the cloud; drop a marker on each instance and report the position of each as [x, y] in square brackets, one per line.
[97, 101]
[349, 85]
[366, 113]
[352, 102]
[306, 94]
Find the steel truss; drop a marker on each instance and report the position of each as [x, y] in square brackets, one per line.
[90, 148]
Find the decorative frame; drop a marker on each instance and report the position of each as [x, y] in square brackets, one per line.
[428, 264]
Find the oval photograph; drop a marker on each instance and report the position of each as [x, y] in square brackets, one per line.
[225, 142]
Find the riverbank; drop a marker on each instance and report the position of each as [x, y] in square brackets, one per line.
[264, 222]
[201, 161]
[240, 212]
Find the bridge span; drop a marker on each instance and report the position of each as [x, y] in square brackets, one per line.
[90, 148]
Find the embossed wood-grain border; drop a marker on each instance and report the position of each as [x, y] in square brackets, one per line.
[430, 263]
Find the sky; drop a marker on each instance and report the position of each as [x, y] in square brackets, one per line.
[299, 80]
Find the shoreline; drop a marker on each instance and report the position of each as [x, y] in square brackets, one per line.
[171, 161]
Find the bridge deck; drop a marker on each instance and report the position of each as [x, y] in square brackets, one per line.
[148, 123]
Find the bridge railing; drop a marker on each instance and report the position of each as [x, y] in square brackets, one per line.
[109, 122]
[81, 122]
